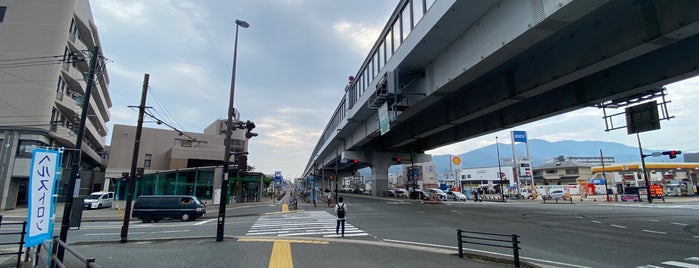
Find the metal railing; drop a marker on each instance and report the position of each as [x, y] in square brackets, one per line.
[21, 239]
[41, 258]
[489, 239]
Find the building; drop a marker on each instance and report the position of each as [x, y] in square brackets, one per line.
[44, 53]
[562, 173]
[675, 178]
[176, 162]
[588, 160]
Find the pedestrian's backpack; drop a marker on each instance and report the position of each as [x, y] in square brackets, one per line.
[341, 211]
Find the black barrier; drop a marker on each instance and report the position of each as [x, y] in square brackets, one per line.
[485, 238]
[55, 262]
[19, 244]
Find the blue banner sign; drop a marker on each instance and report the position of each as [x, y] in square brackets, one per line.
[42, 179]
[519, 136]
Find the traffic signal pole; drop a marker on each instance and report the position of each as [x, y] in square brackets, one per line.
[645, 172]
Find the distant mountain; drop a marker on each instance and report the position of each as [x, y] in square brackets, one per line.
[541, 150]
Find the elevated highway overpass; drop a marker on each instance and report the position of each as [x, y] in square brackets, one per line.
[444, 71]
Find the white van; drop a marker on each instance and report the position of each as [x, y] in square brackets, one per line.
[99, 200]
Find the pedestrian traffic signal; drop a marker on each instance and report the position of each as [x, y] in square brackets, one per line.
[672, 154]
[397, 160]
[331, 177]
[249, 125]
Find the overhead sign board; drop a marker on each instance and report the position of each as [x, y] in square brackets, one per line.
[384, 121]
[642, 117]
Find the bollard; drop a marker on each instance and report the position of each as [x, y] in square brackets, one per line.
[515, 249]
[461, 246]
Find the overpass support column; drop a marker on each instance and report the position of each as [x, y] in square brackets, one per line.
[379, 173]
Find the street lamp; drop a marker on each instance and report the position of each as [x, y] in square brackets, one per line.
[497, 147]
[227, 153]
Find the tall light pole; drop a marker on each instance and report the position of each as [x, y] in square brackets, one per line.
[497, 147]
[227, 142]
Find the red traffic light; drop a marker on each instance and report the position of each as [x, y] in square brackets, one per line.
[331, 177]
[672, 154]
[397, 160]
[354, 161]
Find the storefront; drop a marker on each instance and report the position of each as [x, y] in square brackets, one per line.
[199, 182]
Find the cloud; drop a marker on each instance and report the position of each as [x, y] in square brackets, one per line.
[362, 37]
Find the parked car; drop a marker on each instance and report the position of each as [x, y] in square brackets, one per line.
[392, 193]
[556, 194]
[441, 194]
[456, 196]
[402, 193]
[98, 200]
[420, 194]
[149, 208]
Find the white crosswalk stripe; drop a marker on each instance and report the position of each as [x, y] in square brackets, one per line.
[691, 262]
[305, 223]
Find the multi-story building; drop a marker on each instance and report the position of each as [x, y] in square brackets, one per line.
[44, 56]
[176, 162]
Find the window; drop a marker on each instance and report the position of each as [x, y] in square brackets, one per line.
[388, 41]
[238, 146]
[551, 171]
[406, 22]
[571, 171]
[417, 11]
[24, 150]
[396, 35]
[72, 31]
[2, 13]
[147, 160]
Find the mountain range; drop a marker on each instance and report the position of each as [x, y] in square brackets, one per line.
[540, 151]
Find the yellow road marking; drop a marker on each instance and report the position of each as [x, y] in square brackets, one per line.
[287, 240]
[285, 208]
[281, 255]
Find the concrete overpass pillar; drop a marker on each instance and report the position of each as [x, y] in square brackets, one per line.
[379, 173]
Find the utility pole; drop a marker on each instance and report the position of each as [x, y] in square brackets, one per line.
[134, 161]
[604, 175]
[645, 172]
[75, 161]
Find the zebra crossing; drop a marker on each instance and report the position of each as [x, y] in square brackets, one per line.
[691, 262]
[303, 223]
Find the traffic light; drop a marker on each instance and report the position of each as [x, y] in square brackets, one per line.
[396, 159]
[672, 154]
[353, 161]
[331, 177]
[250, 126]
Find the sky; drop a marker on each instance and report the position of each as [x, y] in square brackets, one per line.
[292, 65]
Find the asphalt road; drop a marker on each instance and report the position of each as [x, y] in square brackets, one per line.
[553, 235]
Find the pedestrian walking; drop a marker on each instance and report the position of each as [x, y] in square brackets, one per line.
[340, 211]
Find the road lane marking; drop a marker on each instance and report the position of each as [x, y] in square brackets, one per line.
[654, 220]
[654, 232]
[285, 208]
[618, 226]
[596, 221]
[679, 223]
[692, 259]
[204, 222]
[281, 255]
[681, 264]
